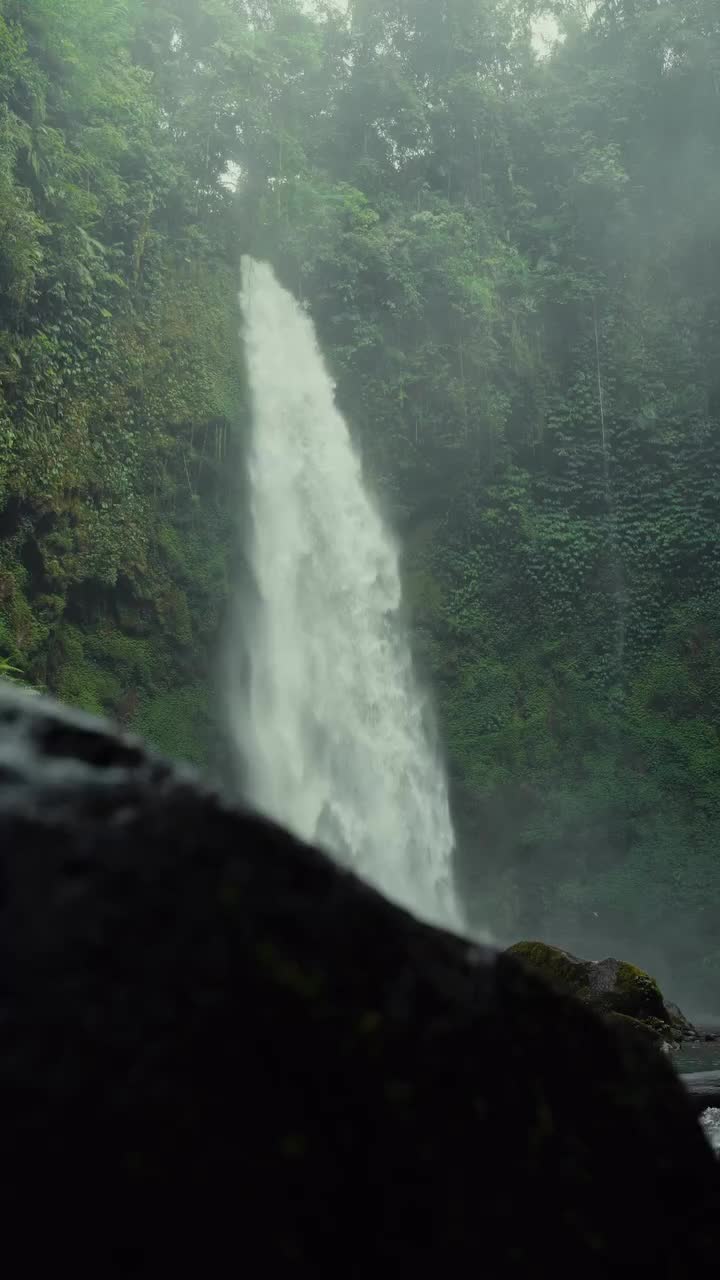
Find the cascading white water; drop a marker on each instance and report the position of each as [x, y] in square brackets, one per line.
[333, 727]
[711, 1125]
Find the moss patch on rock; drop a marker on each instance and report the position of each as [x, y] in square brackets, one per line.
[622, 991]
[559, 967]
[177, 722]
[633, 994]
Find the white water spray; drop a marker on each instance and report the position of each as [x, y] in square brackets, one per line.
[333, 729]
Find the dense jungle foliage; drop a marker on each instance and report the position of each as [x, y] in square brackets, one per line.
[514, 264]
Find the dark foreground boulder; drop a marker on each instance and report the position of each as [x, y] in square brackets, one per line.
[219, 1052]
[619, 990]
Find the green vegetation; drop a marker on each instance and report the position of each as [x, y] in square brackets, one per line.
[556, 966]
[514, 265]
[119, 366]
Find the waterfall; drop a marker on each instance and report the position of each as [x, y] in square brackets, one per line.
[332, 726]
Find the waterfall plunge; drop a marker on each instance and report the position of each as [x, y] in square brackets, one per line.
[332, 725]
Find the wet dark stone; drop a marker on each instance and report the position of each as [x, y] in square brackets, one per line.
[219, 1051]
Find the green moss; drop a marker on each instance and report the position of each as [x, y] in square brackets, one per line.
[88, 686]
[7, 670]
[28, 632]
[637, 995]
[197, 560]
[555, 965]
[7, 641]
[49, 608]
[177, 723]
[108, 672]
[133, 657]
[78, 678]
[623, 991]
[174, 615]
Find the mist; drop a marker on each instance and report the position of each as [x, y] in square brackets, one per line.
[499, 220]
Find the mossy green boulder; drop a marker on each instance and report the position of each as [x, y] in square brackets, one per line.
[626, 994]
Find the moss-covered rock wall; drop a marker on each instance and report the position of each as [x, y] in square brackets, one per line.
[120, 374]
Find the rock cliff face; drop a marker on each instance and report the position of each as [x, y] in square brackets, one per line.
[219, 1048]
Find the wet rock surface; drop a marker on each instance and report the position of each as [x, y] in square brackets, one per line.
[219, 1049]
[625, 994]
